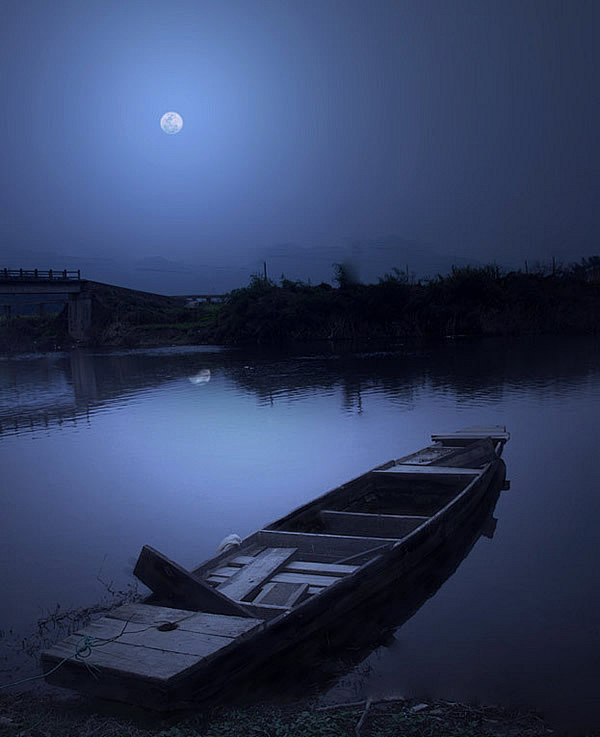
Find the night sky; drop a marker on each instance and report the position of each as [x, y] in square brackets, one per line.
[387, 133]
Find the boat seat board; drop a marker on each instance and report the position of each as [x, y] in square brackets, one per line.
[466, 436]
[138, 649]
[422, 470]
[303, 566]
[321, 547]
[226, 573]
[220, 625]
[168, 579]
[380, 525]
[251, 577]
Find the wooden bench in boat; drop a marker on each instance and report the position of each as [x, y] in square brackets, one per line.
[325, 548]
[381, 525]
[468, 435]
[419, 470]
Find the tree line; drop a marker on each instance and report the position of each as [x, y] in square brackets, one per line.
[470, 300]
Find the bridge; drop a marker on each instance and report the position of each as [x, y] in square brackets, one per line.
[27, 287]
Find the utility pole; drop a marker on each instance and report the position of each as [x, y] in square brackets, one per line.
[265, 269]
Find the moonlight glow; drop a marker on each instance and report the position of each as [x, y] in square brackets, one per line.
[171, 123]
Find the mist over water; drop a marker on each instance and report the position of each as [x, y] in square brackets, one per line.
[178, 447]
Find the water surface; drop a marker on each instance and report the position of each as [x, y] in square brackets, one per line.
[178, 447]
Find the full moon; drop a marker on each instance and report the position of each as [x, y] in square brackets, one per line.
[171, 123]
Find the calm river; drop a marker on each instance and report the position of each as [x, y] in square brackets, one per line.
[177, 447]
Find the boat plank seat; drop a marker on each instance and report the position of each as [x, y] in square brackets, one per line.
[411, 469]
[380, 525]
[306, 566]
[226, 573]
[248, 579]
[463, 437]
[323, 547]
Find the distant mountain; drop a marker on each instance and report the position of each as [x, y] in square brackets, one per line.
[370, 259]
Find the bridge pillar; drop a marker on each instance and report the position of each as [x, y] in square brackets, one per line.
[79, 315]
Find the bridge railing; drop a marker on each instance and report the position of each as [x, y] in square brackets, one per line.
[49, 274]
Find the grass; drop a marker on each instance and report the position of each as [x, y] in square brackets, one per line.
[31, 715]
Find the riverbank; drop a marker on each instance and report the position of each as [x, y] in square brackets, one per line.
[43, 715]
[467, 302]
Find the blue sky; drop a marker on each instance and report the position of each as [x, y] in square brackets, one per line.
[312, 131]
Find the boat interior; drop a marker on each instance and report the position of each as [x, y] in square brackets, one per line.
[321, 543]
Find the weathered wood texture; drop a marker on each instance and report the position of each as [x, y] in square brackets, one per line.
[226, 573]
[303, 518]
[464, 437]
[373, 525]
[299, 566]
[408, 470]
[140, 648]
[320, 548]
[475, 454]
[168, 579]
[247, 580]
[281, 594]
[201, 622]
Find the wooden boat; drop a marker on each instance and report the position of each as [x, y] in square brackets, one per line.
[244, 608]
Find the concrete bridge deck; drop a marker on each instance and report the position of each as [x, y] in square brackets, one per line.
[37, 285]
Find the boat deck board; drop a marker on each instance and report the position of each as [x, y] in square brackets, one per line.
[248, 579]
[306, 566]
[226, 573]
[322, 547]
[136, 647]
[415, 468]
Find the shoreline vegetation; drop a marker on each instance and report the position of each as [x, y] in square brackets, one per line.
[42, 715]
[469, 301]
[40, 710]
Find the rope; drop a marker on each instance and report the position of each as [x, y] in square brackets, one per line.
[83, 650]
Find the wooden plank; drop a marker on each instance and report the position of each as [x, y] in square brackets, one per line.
[361, 558]
[220, 625]
[380, 525]
[141, 650]
[470, 435]
[223, 575]
[168, 579]
[321, 547]
[178, 640]
[471, 455]
[309, 578]
[148, 614]
[249, 604]
[251, 577]
[415, 469]
[308, 566]
[147, 663]
[281, 594]
[302, 565]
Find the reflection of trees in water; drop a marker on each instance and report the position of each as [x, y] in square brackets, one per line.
[45, 391]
